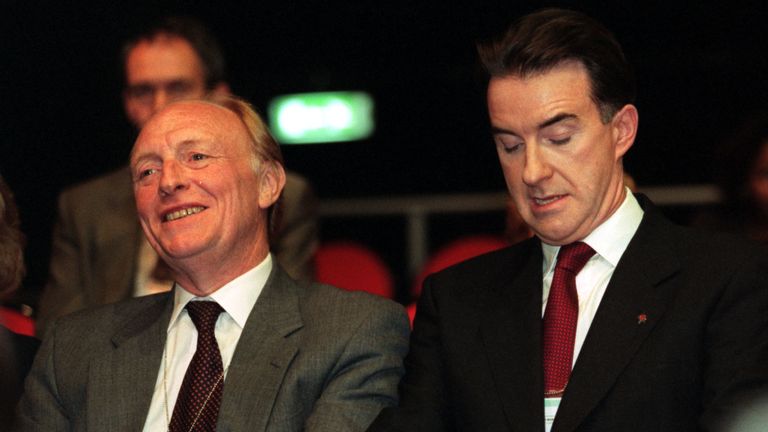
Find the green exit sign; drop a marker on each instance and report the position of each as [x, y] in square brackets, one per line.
[321, 117]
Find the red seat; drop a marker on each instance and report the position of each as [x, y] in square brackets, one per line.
[354, 267]
[411, 311]
[456, 252]
[17, 322]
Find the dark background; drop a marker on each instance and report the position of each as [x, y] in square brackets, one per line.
[701, 66]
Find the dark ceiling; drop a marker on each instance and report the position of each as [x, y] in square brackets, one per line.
[700, 68]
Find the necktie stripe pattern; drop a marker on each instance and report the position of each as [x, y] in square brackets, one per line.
[197, 406]
[561, 316]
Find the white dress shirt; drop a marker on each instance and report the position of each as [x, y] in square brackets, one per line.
[609, 240]
[237, 298]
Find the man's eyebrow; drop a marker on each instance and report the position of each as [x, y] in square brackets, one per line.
[141, 157]
[189, 142]
[495, 130]
[556, 119]
[546, 123]
[138, 157]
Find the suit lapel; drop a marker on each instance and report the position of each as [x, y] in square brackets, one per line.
[633, 303]
[124, 381]
[511, 332]
[262, 357]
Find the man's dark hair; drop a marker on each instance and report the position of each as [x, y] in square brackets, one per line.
[545, 39]
[193, 31]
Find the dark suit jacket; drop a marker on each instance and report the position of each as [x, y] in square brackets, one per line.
[311, 357]
[97, 237]
[681, 333]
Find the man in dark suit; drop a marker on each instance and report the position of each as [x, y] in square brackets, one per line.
[99, 255]
[238, 345]
[662, 329]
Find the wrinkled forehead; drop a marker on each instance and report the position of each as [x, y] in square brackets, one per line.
[190, 121]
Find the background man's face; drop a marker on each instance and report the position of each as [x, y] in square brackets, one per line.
[197, 193]
[561, 163]
[160, 71]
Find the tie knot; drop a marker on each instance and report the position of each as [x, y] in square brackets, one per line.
[572, 257]
[204, 314]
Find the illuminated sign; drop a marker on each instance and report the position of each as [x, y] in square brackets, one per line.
[321, 117]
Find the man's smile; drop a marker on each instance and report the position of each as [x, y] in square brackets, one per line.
[178, 214]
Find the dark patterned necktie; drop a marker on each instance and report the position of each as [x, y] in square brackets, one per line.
[197, 406]
[561, 316]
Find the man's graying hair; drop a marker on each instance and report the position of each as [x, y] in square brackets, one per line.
[266, 149]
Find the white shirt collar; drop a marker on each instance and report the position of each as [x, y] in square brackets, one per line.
[611, 238]
[237, 297]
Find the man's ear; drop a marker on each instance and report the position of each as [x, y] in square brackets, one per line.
[221, 89]
[624, 129]
[271, 183]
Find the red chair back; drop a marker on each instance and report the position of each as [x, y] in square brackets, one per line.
[16, 322]
[454, 253]
[354, 267]
[411, 311]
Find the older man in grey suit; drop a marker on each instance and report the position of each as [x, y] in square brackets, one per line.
[98, 253]
[237, 345]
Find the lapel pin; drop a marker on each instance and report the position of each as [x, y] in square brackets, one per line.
[642, 318]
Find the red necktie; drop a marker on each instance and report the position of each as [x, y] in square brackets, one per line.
[560, 317]
[197, 406]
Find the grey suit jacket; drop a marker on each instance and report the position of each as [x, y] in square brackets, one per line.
[311, 357]
[679, 342]
[97, 237]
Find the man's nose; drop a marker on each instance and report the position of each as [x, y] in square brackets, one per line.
[536, 167]
[160, 99]
[173, 178]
